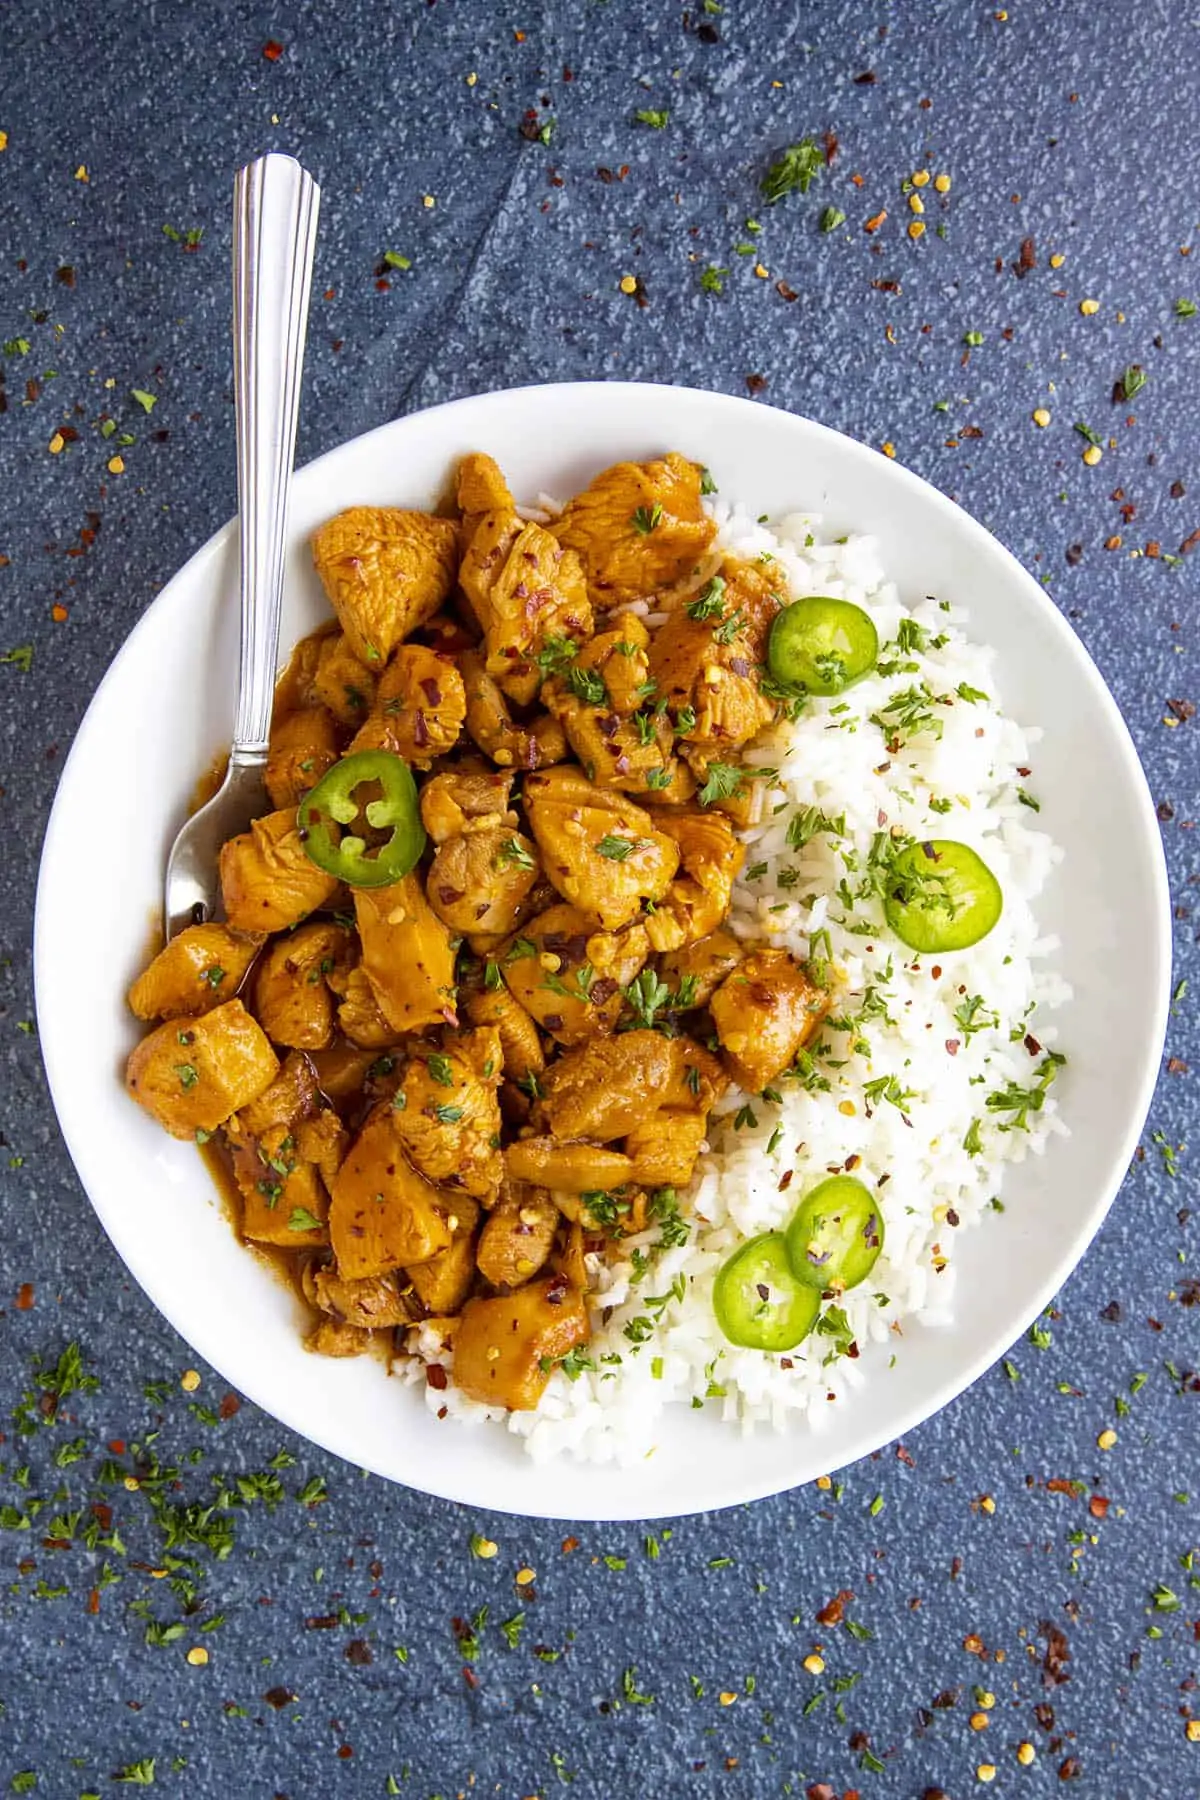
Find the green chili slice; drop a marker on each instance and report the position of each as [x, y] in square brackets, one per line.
[343, 832]
[836, 1235]
[821, 644]
[757, 1299]
[941, 896]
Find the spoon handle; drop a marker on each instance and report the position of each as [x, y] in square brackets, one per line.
[275, 205]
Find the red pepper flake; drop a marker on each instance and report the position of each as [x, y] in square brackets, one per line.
[1026, 258]
[755, 384]
[322, 1622]
[875, 221]
[117, 1446]
[952, 1046]
[833, 1612]
[785, 292]
[569, 1544]
[435, 1376]
[1057, 1655]
[272, 50]
[25, 1297]
[1177, 1066]
[905, 1456]
[358, 1652]
[1190, 543]
[230, 1405]
[1070, 1769]
[1183, 710]
[829, 144]
[93, 1601]
[470, 1677]
[1098, 1506]
[345, 1752]
[866, 79]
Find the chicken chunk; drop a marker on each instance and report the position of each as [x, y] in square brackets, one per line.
[710, 857]
[504, 1347]
[518, 1237]
[523, 586]
[482, 487]
[359, 1014]
[638, 528]
[292, 999]
[284, 1200]
[197, 970]
[455, 798]
[566, 1168]
[371, 1304]
[765, 1012]
[292, 1097]
[420, 705]
[342, 1069]
[267, 881]
[608, 1086]
[619, 658]
[490, 723]
[446, 1113]
[604, 700]
[706, 659]
[602, 852]
[520, 1045]
[192, 1074]
[443, 1283]
[304, 745]
[407, 955]
[286, 1145]
[480, 882]
[340, 683]
[664, 1147]
[330, 1337]
[384, 1214]
[385, 571]
[696, 970]
[568, 974]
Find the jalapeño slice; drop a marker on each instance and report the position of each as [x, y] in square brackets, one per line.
[342, 832]
[758, 1302]
[835, 1235]
[821, 644]
[941, 896]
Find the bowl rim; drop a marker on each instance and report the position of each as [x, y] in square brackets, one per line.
[908, 1414]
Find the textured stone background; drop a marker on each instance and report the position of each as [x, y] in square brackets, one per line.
[333, 1665]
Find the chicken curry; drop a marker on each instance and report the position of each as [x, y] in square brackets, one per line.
[475, 990]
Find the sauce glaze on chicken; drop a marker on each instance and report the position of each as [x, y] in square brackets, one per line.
[450, 1097]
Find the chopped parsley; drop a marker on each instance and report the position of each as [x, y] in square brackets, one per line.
[513, 851]
[587, 685]
[796, 168]
[657, 121]
[709, 602]
[440, 1067]
[1019, 1102]
[618, 849]
[724, 782]
[647, 519]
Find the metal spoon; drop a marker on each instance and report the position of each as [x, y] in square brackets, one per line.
[275, 204]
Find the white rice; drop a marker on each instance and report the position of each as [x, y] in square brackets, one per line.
[933, 1188]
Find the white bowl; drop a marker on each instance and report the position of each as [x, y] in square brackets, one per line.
[165, 708]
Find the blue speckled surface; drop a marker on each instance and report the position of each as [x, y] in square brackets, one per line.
[1072, 125]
